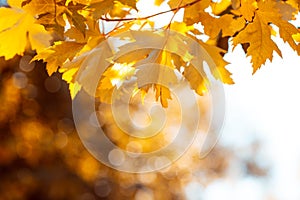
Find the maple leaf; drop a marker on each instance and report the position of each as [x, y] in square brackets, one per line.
[118, 73]
[75, 18]
[158, 2]
[159, 70]
[235, 4]
[105, 94]
[56, 55]
[75, 34]
[119, 10]
[293, 3]
[269, 12]
[162, 76]
[219, 70]
[163, 93]
[220, 6]
[15, 3]
[82, 69]
[79, 22]
[54, 18]
[69, 72]
[53, 12]
[91, 36]
[286, 10]
[17, 28]
[226, 23]
[234, 26]
[247, 9]
[100, 8]
[198, 81]
[192, 13]
[130, 3]
[37, 7]
[261, 48]
[181, 27]
[112, 79]
[156, 67]
[195, 74]
[258, 33]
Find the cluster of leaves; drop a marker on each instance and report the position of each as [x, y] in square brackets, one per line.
[63, 34]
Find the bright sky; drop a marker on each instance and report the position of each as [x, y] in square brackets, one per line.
[265, 107]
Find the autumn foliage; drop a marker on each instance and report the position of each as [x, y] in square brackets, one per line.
[41, 155]
[62, 33]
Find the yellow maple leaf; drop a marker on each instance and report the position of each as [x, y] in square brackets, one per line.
[92, 36]
[56, 55]
[226, 24]
[286, 32]
[156, 67]
[101, 8]
[258, 33]
[155, 73]
[112, 79]
[162, 93]
[269, 12]
[119, 10]
[197, 80]
[158, 2]
[37, 7]
[181, 27]
[69, 72]
[159, 72]
[118, 73]
[220, 6]
[75, 34]
[218, 64]
[261, 48]
[15, 3]
[192, 13]
[247, 9]
[105, 95]
[82, 68]
[293, 3]
[74, 89]
[130, 3]
[235, 25]
[286, 10]
[17, 28]
[132, 56]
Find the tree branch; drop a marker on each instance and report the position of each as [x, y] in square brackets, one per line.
[150, 16]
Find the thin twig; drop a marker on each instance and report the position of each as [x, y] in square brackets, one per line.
[149, 16]
[175, 12]
[55, 11]
[118, 25]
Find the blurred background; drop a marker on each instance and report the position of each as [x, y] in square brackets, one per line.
[257, 157]
[42, 157]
